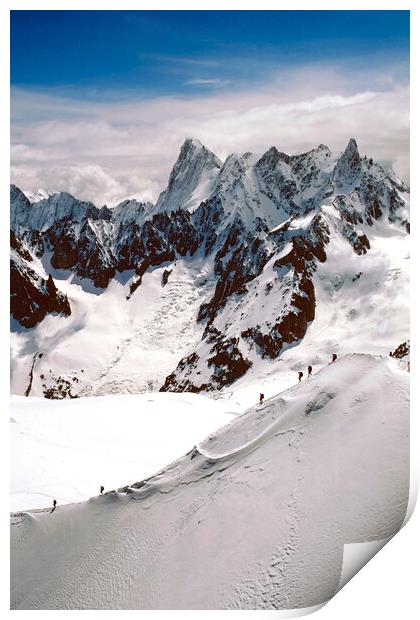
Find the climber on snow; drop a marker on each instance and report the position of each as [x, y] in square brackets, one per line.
[102, 489]
[309, 370]
[54, 505]
[261, 399]
[333, 357]
[300, 375]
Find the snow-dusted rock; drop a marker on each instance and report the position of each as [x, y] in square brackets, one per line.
[31, 296]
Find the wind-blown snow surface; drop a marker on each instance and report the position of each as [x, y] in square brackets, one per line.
[254, 517]
[66, 449]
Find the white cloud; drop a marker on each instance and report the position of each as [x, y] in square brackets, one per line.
[107, 150]
[207, 82]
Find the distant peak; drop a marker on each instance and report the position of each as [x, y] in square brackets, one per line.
[350, 155]
[273, 156]
[348, 165]
[351, 147]
[16, 193]
[193, 143]
[192, 149]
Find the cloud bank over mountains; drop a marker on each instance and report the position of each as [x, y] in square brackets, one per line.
[119, 144]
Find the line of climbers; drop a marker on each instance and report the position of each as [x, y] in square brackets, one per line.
[300, 374]
[54, 506]
[334, 358]
[300, 377]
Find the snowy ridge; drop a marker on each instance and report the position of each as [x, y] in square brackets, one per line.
[311, 464]
[41, 194]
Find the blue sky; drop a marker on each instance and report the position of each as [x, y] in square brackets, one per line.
[101, 101]
[166, 52]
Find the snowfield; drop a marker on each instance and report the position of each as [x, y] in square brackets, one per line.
[67, 449]
[253, 517]
[109, 344]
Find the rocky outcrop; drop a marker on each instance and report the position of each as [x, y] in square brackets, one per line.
[285, 179]
[225, 363]
[17, 245]
[165, 276]
[358, 241]
[32, 297]
[402, 350]
[60, 388]
[240, 259]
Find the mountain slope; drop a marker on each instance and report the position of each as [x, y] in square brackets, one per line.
[254, 517]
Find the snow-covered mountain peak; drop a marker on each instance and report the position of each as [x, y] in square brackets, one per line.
[191, 178]
[192, 144]
[17, 194]
[322, 147]
[232, 170]
[351, 155]
[130, 210]
[351, 148]
[273, 156]
[193, 152]
[348, 165]
[20, 207]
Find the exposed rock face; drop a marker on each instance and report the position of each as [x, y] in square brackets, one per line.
[17, 245]
[32, 297]
[20, 209]
[262, 223]
[62, 388]
[402, 350]
[225, 363]
[165, 276]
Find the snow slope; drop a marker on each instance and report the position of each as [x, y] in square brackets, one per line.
[65, 450]
[110, 345]
[253, 517]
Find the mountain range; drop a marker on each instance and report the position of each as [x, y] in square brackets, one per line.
[245, 268]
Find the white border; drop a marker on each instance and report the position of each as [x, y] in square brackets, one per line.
[387, 586]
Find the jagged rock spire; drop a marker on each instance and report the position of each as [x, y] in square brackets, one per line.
[195, 164]
[348, 165]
